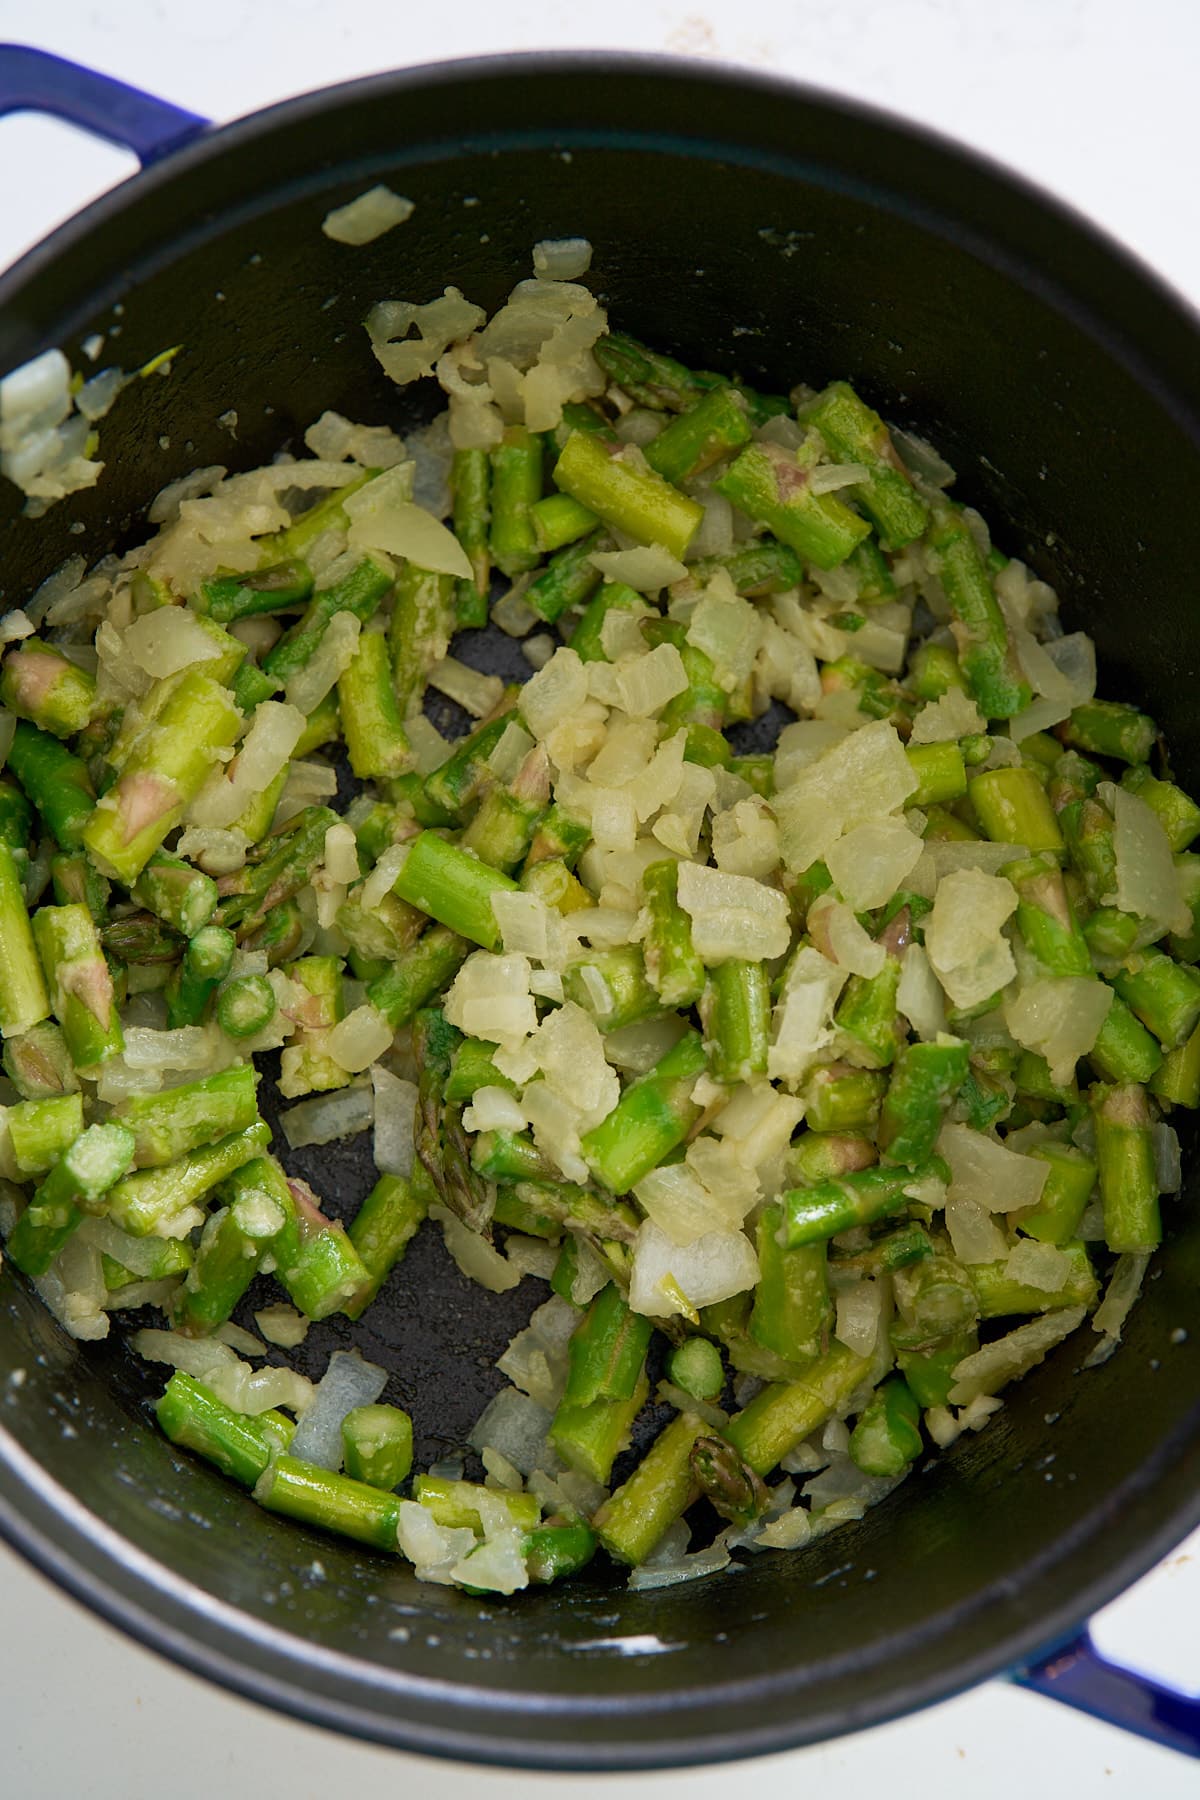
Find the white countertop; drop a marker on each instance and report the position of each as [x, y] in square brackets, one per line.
[1093, 100]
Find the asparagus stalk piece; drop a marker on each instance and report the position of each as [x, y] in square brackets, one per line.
[39, 1131]
[770, 487]
[839, 1098]
[360, 593]
[38, 683]
[1012, 807]
[181, 1119]
[57, 782]
[777, 1418]
[376, 741]
[607, 1351]
[377, 1445]
[77, 1184]
[887, 1436]
[736, 1011]
[150, 1201]
[940, 771]
[700, 437]
[587, 639]
[559, 520]
[1110, 728]
[1124, 1050]
[696, 1367]
[280, 587]
[627, 498]
[672, 966]
[590, 1438]
[792, 1310]
[1046, 918]
[164, 772]
[569, 578]
[381, 1231]
[470, 485]
[76, 883]
[245, 1006]
[332, 1502]
[516, 469]
[240, 1446]
[206, 961]
[420, 630]
[611, 986]
[453, 887]
[507, 817]
[853, 433]
[1164, 994]
[553, 1551]
[283, 868]
[38, 1062]
[811, 1214]
[81, 987]
[1125, 1157]
[182, 897]
[421, 973]
[662, 1486]
[465, 775]
[925, 1080]
[1176, 811]
[23, 997]
[652, 1117]
[998, 1294]
[1064, 1197]
[984, 647]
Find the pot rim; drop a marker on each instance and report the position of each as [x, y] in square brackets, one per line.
[179, 1620]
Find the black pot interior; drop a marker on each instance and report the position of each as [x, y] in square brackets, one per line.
[784, 237]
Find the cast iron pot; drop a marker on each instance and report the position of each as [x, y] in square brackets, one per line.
[742, 223]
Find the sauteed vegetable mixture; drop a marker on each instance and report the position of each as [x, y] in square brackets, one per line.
[827, 1086]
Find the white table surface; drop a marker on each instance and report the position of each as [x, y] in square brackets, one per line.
[1094, 99]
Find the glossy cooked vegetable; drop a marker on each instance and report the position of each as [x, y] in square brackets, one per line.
[827, 1085]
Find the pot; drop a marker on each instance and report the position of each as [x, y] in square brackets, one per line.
[740, 222]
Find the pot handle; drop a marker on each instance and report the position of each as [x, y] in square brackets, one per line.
[34, 81]
[1080, 1676]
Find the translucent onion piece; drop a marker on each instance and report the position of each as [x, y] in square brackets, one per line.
[348, 1382]
[368, 217]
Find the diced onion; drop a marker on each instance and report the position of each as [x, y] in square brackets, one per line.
[395, 1116]
[328, 1117]
[1009, 1357]
[362, 220]
[348, 1382]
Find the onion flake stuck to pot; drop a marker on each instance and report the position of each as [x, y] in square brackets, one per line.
[842, 1068]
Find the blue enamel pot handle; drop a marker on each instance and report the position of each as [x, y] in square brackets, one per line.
[34, 81]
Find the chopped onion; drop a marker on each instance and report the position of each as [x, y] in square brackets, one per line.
[282, 1325]
[1125, 1284]
[515, 1426]
[395, 1116]
[1060, 1018]
[477, 1259]
[963, 936]
[919, 996]
[802, 1025]
[646, 683]
[733, 915]
[1147, 878]
[668, 1278]
[536, 1359]
[982, 1170]
[647, 567]
[475, 693]
[348, 1382]
[434, 1550]
[246, 1390]
[328, 1117]
[359, 1039]
[562, 259]
[554, 693]
[1009, 1357]
[1038, 1265]
[864, 776]
[362, 220]
[331, 658]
